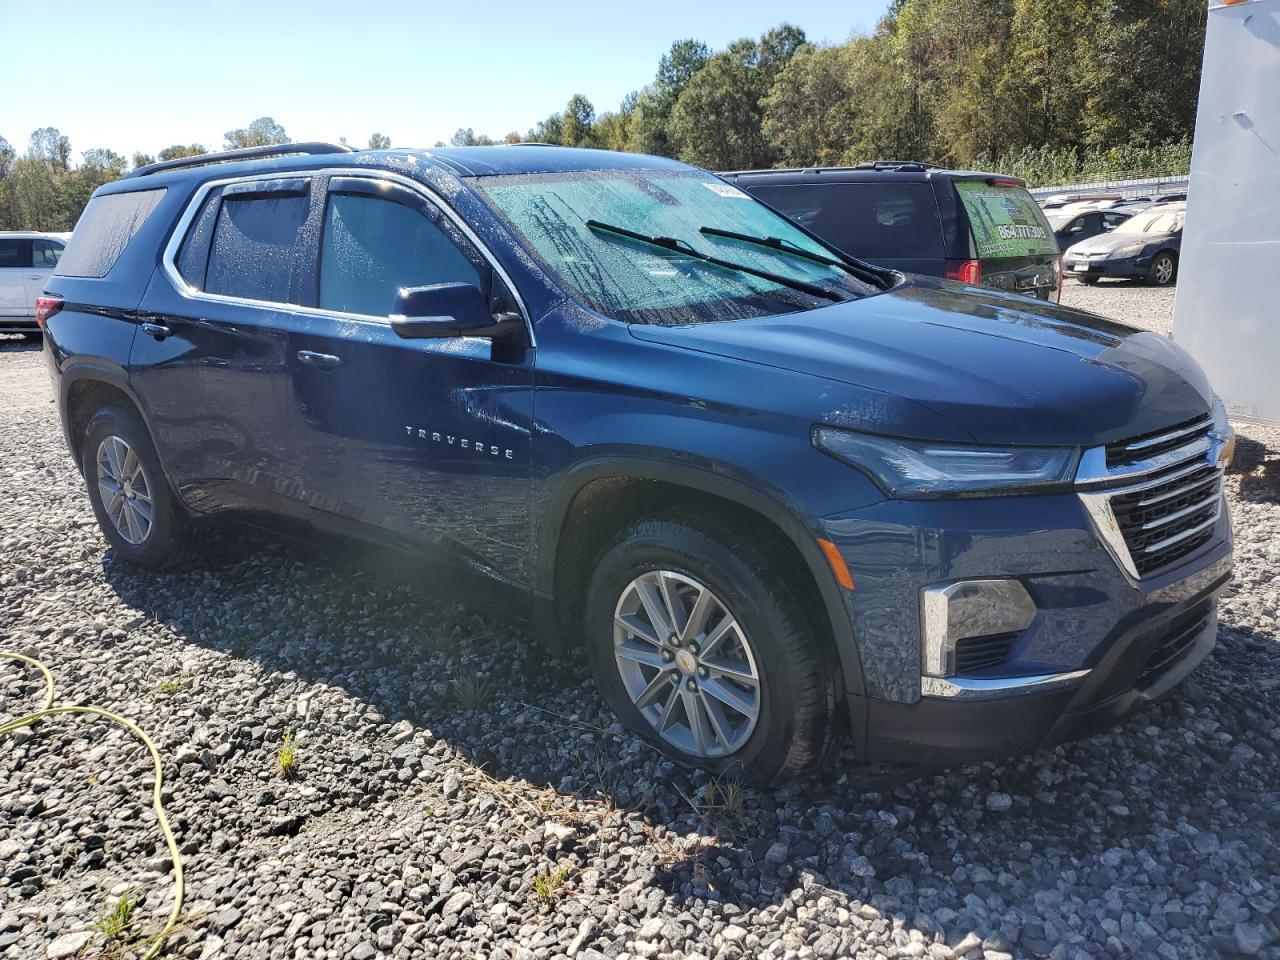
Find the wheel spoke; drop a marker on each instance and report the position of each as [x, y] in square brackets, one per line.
[730, 696]
[143, 511]
[654, 607]
[131, 521]
[697, 720]
[637, 627]
[113, 455]
[717, 636]
[664, 721]
[649, 657]
[719, 725]
[131, 466]
[727, 668]
[697, 616]
[662, 681]
[675, 607]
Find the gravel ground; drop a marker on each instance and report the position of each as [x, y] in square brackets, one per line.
[454, 798]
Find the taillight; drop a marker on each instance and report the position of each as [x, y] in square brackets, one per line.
[966, 271]
[46, 307]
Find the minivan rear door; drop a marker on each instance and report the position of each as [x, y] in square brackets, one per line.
[1012, 240]
[15, 264]
[889, 222]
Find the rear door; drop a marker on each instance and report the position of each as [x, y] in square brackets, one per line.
[426, 439]
[15, 264]
[210, 360]
[890, 222]
[45, 254]
[1011, 238]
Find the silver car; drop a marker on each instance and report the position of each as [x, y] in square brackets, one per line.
[26, 261]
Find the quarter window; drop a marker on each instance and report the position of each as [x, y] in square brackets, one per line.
[45, 253]
[257, 244]
[372, 247]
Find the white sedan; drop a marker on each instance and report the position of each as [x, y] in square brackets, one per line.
[26, 261]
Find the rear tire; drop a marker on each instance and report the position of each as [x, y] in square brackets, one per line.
[131, 499]
[695, 704]
[1163, 270]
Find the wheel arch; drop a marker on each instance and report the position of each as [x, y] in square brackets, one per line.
[86, 387]
[598, 498]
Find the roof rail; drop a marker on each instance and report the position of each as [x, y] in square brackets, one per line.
[897, 165]
[248, 153]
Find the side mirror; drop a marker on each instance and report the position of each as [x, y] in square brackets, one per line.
[450, 310]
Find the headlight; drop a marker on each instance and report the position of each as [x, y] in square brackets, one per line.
[1132, 250]
[917, 468]
[1218, 411]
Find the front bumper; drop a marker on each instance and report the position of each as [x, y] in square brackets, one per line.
[1077, 668]
[1141, 660]
[1130, 267]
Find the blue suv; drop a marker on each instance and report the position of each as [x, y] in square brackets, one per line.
[775, 498]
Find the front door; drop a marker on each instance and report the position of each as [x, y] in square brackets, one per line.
[427, 440]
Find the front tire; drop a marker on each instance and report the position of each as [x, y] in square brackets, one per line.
[130, 496]
[1163, 270]
[698, 644]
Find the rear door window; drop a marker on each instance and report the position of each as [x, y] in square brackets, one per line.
[105, 228]
[15, 252]
[1005, 221]
[866, 220]
[258, 240]
[45, 253]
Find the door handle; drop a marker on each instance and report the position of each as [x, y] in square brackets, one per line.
[322, 361]
[157, 330]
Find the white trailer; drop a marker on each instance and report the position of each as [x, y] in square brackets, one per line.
[1228, 302]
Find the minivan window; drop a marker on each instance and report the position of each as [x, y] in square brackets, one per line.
[873, 221]
[256, 245]
[45, 253]
[373, 246]
[1005, 221]
[15, 252]
[104, 230]
[637, 282]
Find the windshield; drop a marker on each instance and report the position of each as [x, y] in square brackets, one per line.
[638, 282]
[1167, 222]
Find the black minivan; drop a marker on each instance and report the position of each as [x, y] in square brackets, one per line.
[980, 228]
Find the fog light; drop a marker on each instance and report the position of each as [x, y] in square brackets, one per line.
[953, 611]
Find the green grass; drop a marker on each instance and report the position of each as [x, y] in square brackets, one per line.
[547, 886]
[727, 801]
[287, 758]
[117, 919]
[471, 693]
[169, 686]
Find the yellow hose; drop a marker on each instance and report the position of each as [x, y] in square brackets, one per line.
[47, 709]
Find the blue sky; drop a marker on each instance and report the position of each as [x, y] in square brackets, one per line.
[142, 75]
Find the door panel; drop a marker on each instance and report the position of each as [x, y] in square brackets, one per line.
[15, 264]
[425, 439]
[211, 362]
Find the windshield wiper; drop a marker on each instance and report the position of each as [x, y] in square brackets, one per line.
[784, 246]
[682, 248]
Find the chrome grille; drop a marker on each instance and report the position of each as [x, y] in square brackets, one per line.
[1156, 498]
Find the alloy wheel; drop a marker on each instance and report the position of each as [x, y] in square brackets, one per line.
[686, 664]
[125, 489]
[1164, 270]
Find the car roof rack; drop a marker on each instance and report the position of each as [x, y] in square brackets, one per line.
[247, 153]
[905, 165]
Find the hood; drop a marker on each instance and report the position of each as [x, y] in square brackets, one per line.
[1002, 368]
[1107, 242]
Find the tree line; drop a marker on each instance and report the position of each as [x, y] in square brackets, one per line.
[1051, 90]
[43, 190]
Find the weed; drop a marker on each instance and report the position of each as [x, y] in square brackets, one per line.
[169, 686]
[471, 693]
[547, 886]
[287, 758]
[116, 920]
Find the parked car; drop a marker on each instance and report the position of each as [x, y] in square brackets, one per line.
[979, 228]
[1060, 200]
[1070, 228]
[768, 495]
[1144, 247]
[26, 261]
